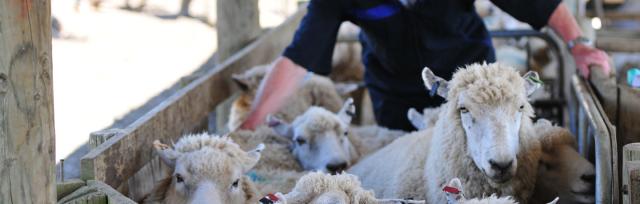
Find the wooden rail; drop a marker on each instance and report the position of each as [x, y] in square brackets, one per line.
[121, 156]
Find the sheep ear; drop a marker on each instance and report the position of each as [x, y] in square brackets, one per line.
[344, 89]
[166, 153]
[347, 112]
[533, 82]
[416, 118]
[554, 201]
[435, 84]
[241, 81]
[254, 156]
[280, 127]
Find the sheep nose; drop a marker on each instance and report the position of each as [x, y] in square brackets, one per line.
[336, 167]
[588, 178]
[501, 167]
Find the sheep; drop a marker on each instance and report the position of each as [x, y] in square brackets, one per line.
[467, 141]
[320, 188]
[563, 172]
[346, 61]
[317, 90]
[455, 195]
[206, 168]
[322, 140]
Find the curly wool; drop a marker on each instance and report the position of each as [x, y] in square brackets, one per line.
[448, 158]
[312, 185]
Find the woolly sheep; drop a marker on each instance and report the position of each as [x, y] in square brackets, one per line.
[563, 172]
[346, 61]
[320, 188]
[322, 140]
[206, 168]
[317, 90]
[467, 141]
[455, 195]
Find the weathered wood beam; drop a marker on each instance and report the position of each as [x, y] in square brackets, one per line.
[238, 23]
[27, 153]
[120, 157]
[631, 163]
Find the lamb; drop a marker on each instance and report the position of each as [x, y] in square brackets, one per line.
[317, 90]
[563, 172]
[206, 169]
[468, 141]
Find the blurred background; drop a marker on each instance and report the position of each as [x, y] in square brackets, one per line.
[111, 56]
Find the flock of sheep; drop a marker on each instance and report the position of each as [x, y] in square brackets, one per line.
[481, 146]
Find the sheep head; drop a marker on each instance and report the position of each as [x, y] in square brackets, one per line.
[488, 102]
[249, 81]
[207, 169]
[562, 171]
[319, 138]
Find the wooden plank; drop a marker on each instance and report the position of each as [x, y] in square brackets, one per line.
[634, 183]
[606, 89]
[628, 121]
[123, 155]
[630, 153]
[618, 44]
[27, 173]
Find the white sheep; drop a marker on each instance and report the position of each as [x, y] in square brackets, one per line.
[563, 172]
[482, 136]
[206, 169]
[316, 91]
[454, 192]
[346, 61]
[320, 188]
[323, 141]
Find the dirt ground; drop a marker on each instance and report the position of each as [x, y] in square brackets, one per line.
[111, 60]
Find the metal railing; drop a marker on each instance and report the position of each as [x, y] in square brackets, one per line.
[596, 138]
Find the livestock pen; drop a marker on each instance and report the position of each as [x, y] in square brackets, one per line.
[125, 161]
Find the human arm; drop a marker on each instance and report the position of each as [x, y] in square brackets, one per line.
[566, 26]
[555, 14]
[279, 84]
[311, 49]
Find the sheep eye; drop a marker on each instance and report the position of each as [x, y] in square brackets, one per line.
[346, 133]
[464, 110]
[235, 183]
[301, 141]
[521, 107]
[179, 178]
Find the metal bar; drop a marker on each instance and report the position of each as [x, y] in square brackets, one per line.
[606, 172]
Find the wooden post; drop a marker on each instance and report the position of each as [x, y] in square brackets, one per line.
[238, 23]
[27, 172]
[631, 163]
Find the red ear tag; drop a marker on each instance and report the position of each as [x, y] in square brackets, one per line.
[450, 189]
[272, 197]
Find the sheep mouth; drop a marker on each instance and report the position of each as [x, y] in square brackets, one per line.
[501, 178]
[585, 197]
